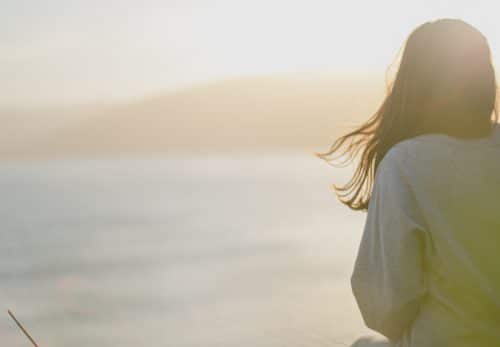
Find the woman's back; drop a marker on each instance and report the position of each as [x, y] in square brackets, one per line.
[434, 210]
[457, 186]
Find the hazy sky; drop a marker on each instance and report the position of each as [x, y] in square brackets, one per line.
[68, 51]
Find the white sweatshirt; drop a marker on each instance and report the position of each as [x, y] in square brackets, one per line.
[427, 273]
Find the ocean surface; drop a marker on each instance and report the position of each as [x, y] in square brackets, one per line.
[220, 250]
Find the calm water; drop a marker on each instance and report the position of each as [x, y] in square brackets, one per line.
[183, 251]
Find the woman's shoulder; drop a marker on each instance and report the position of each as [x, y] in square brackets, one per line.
[393, 161]
[407, 156]
[433, 150]
[440, 139]
[397, 153]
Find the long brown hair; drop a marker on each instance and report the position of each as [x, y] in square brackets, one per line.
[445, 83]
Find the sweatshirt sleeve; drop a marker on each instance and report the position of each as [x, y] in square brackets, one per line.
[388, 280]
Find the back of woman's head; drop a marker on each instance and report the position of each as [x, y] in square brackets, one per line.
[445, 84]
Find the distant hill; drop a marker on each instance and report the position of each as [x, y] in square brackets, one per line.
[239, 114]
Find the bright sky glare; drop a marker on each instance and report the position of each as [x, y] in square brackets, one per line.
[69, 51]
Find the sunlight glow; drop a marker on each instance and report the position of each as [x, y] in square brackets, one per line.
[80, 51]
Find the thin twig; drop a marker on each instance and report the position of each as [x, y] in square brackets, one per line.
[22, 328]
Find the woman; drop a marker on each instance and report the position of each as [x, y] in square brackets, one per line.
[427, 272]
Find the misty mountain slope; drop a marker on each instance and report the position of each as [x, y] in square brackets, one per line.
[247, 113]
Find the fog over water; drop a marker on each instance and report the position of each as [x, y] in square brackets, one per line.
[222, 250]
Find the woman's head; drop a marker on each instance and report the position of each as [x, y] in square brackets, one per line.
[445, 83]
